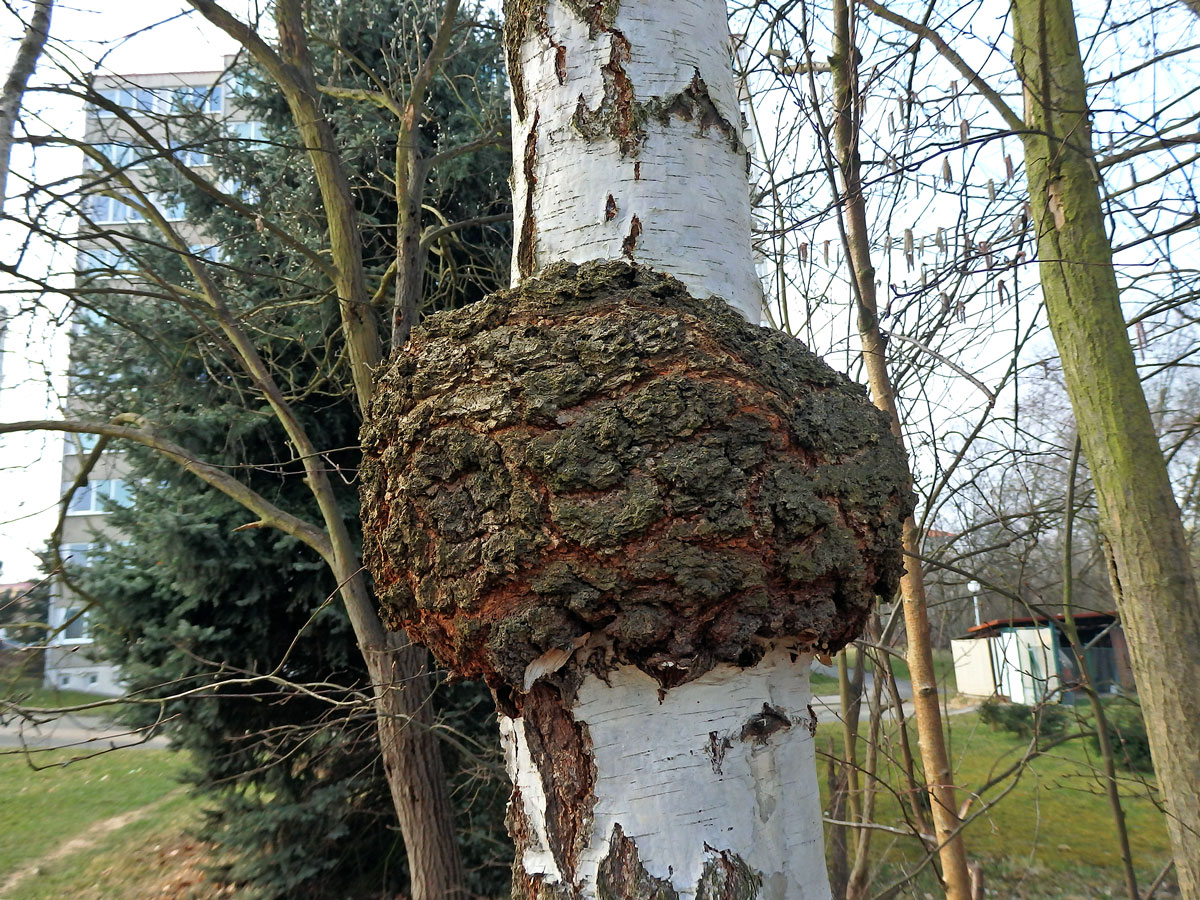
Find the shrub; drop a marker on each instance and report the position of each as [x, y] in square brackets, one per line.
[1024, 721]
[1127, 734]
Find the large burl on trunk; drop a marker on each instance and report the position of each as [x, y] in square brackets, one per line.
[634, 515]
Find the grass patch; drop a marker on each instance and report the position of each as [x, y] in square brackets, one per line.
[44, 807]
[1048, 837]
[1052, 820]
[822, 685]
[153, 856]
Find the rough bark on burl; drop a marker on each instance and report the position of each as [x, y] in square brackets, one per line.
[594, 480]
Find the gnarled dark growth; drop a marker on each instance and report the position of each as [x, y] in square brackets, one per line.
[598, 453]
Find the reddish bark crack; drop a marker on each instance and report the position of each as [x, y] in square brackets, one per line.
[561, 750]
[525, 249]
[623, 877]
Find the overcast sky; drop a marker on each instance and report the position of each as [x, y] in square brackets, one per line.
[113, 36]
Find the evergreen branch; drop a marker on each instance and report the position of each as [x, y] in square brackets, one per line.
[495, 138]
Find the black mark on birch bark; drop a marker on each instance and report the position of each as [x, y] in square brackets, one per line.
[623, 877]
[560, 50]
[630, 242]
[610, 208]
[695, 104]
[637, 171]
[727, 876]
[718, 746]
[598, 14]
[760, 726]
[525, 249]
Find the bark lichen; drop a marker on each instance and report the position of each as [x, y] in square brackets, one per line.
[597, 457]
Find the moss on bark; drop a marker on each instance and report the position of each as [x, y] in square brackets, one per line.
[598, 453]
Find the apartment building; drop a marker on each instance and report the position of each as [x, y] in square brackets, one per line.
[113, 231]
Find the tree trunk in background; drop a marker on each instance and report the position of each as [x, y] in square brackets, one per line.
[931, 740]
[1153, 577]
[398, 669]
[416, 776]
[32, 44]
[411, 752]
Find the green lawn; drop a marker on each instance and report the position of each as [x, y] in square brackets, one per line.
[1049, 835]
[144, 859]
[43, 807]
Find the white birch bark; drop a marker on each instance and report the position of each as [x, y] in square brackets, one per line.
[627, 144]
[719, 768]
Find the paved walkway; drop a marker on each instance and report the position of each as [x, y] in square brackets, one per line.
[828, 707]
[84, 734]
[88, 734]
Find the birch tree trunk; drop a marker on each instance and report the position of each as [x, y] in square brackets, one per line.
[11, 95]
[1152, 573]
[627, 142]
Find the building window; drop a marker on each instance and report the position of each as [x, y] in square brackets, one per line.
[64, 681]
[106, 210]
[78, 555]
[193, 157]
[97, 497]
[211, 253]
[249, 132]
[92, 678]
[164, 101]
[102, 260]
[123, 156]
[74, 624]
[172, 210]
[79, 444]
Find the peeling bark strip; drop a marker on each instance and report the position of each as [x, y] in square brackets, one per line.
[596, 453]
[561, 750]
[528, 222]
[638, 101]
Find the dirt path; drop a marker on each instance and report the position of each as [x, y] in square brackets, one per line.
[85, 840]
